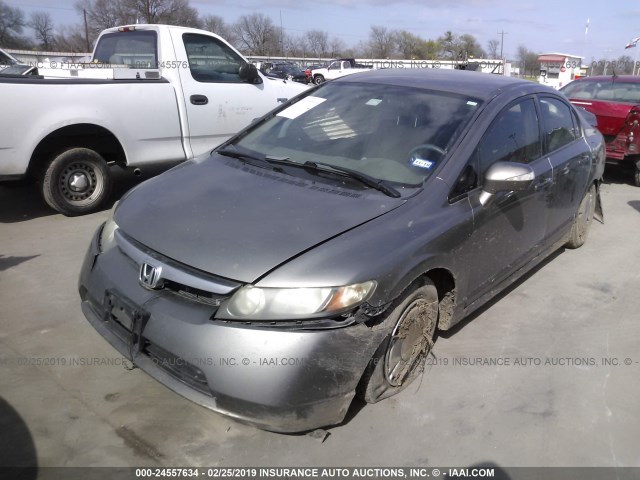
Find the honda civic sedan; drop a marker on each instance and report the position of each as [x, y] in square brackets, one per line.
[315, 255]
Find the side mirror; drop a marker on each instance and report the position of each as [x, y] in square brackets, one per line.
[506, 176]
[249, 73]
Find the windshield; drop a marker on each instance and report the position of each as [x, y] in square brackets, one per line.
[624, 92]
[392, 133]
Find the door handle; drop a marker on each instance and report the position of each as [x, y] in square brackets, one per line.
[199, 99]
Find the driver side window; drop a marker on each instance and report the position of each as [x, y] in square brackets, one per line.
[514, 136]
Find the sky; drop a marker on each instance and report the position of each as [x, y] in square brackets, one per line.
[543, 26]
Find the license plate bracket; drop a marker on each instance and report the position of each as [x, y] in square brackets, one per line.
[125, 319]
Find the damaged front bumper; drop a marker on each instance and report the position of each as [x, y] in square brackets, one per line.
[284, 380]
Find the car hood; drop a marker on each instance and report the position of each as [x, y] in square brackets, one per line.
[238, 221]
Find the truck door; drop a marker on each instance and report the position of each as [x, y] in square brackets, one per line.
[218, 102]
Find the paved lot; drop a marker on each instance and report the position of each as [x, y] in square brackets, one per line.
[576, 311]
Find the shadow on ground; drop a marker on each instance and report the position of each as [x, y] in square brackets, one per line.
[17, 448]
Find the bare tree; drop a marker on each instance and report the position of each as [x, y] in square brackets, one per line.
[492, 48]
[42, 25]
[217, 25]
[528, 61]
[103, 14]
[408, 44]
[71, 39]
[256, 34]
[318, 42]
[381, 41]
[11, 24]
[336, 47]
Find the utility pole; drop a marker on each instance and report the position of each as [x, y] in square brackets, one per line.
[86, 30]
[502, 34]
[281, 36]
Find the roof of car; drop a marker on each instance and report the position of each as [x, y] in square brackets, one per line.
[474, 84]
[610, 78]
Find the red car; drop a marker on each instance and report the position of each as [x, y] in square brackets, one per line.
[615, 101]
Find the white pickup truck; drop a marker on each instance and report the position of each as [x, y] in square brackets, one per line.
[152, 94]
[337, 68]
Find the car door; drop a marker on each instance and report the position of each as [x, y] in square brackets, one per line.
[570, 158]
[509, 230]
[218, 102]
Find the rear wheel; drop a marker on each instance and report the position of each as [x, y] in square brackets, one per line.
[76, 182]
[583, 219]
[400, 358]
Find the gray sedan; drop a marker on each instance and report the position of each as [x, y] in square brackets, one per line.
[315, 255]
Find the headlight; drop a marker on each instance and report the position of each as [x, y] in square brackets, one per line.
[254, 303]
[107, 240]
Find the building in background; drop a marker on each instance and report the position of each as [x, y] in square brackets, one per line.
[558, 69]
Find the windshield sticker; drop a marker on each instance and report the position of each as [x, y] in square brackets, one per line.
[374, 101]
[418, 162]
[298, 108]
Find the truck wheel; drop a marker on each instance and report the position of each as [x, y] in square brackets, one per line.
[583, 219]
[76, 182]
[318, 79]
[400, 358]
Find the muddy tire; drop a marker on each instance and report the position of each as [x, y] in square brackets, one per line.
[76, 182]
[400, 358]
[318, 79]
[583, 219]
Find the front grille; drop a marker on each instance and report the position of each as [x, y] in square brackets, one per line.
[177, 367]
[194, 294]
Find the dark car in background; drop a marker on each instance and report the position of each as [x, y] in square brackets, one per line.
[286, 71]
[615, 101]
[314, 256]
[11, 66]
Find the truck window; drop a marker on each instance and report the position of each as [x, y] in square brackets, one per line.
[210, 60]
[136, 49]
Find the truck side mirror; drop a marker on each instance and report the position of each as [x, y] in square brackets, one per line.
[249, 73]
[506, 176]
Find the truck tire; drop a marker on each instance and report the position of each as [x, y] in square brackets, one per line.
[76, 182]
[318, 79]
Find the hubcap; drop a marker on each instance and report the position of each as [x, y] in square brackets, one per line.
[410, 341]
[79, 184]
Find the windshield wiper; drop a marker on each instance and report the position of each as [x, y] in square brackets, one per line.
[258, 161]
[369, 181]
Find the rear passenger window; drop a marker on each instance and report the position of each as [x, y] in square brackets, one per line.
[557, 120]
[211, 60]
[514, 136]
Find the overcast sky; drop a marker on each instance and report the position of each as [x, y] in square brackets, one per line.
[542, 25]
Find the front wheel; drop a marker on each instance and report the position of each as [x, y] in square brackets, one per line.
[400, 358]
[583, 219]
[318, 79]
[76, 182]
